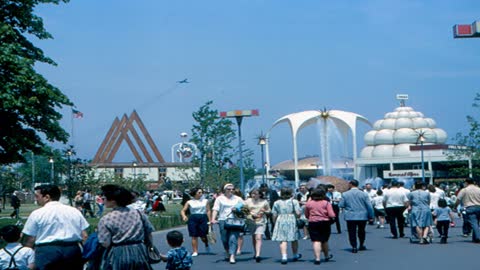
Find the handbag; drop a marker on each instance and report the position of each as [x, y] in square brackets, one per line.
[300, 222]
[211, 238]
[152, 252]
[235, 224]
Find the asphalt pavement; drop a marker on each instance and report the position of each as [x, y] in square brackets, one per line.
[382, 252]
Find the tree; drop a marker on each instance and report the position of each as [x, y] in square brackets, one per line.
[468, 146]
[214, 137]
[28, 102]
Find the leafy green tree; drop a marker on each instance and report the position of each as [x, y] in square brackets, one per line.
[28, 102]
[469, 146]
[214, 137]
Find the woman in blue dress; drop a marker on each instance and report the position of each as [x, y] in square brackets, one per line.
[285, 212]
[421, 216]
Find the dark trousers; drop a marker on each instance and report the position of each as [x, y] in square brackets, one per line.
[336, 209]
[15, 213]
[87, 208]
[57, 257]
[395, 216]
[442, 227]
[355, 227]
[466, 227]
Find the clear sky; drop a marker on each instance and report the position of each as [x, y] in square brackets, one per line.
[277, 56]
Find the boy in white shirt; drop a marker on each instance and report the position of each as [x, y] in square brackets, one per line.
[14, 254]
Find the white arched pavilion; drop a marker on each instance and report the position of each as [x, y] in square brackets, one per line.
[345, 121]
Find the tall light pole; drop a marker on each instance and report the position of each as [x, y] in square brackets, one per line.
[422, 139]
[262, 140]
[52, 169]
[238, 115]
[134, 165]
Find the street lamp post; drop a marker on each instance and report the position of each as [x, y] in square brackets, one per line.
[238, 115]
[422, 139]
[262, 140]
[134, 164]
[52, 169]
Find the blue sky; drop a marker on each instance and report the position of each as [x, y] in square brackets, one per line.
[277, 56]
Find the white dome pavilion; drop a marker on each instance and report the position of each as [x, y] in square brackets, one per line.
[393, 135]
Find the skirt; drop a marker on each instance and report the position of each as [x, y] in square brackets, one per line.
[126, 257]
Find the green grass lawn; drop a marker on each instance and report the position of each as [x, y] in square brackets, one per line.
[169, 219]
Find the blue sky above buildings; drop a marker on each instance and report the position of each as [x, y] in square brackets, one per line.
[277, 56]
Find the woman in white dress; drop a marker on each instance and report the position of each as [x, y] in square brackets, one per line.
[200, 214]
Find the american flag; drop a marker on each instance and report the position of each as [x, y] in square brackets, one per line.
[77, 114]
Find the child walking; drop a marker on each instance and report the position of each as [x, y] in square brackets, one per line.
[14, 255]
[444, 216]
[178, 257]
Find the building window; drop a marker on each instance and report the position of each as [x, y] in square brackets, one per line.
[162, 173]
[118, 172]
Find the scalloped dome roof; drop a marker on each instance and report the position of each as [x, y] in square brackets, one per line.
[393, 135]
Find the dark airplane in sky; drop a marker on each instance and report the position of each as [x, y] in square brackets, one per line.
[183, 81]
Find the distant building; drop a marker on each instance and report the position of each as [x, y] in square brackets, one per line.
[395, 146]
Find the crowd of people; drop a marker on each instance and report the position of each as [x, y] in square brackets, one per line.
[54, 233]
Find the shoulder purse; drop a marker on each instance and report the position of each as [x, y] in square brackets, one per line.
[300, 222]
[152, 252]
[235, 224]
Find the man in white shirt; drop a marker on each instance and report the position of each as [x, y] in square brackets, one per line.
[395, 202]
[56, 230]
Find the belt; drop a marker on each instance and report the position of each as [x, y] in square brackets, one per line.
[126, 243]
[58, 243]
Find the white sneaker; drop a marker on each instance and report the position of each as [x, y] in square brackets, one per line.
[306, 238]
[195, 254]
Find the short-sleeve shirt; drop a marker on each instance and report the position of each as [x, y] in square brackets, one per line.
[178, 259]
[123, 225]
[255, 207]
[55, 222]
[469, 196]
[23, 258]
[225, 205]
[198, 206]
[442, 214]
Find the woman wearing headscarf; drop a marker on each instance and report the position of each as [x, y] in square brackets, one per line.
[200, 214]
[285, 211]
[123, 231]
[223, 209]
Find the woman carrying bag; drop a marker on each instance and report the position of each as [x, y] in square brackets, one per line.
[223, 209]
[123, 232]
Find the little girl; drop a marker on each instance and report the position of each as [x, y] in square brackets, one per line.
[444, 216]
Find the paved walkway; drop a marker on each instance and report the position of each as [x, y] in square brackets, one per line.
[383, 253]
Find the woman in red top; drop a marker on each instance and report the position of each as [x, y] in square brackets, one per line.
[319, 212]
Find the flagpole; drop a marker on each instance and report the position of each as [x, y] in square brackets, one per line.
[72, 141]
